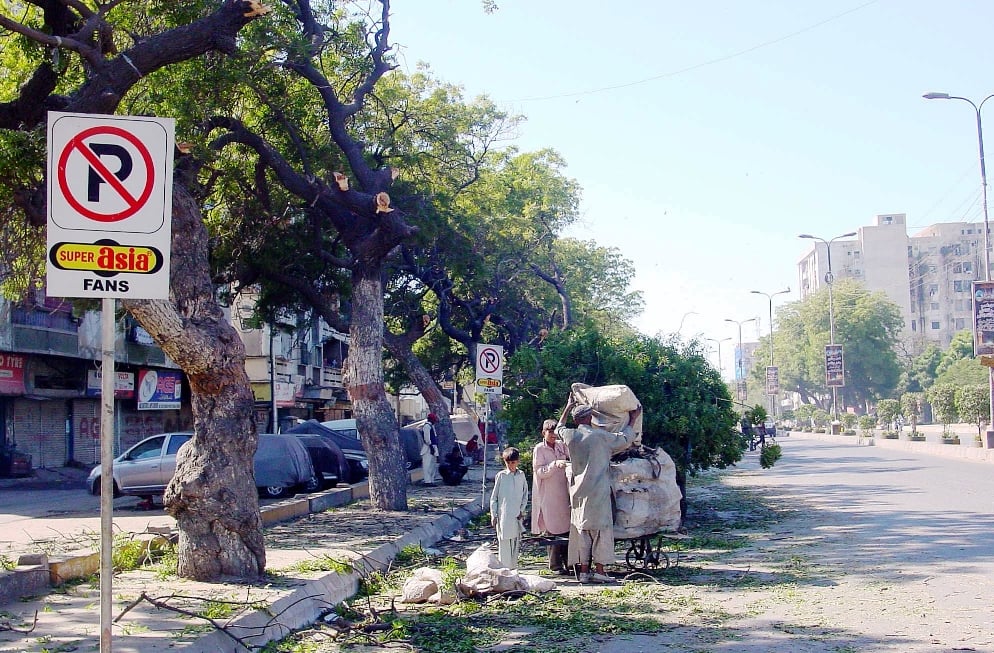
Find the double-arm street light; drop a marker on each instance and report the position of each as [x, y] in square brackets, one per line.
[770, 296]
[739, 374]
[830, 279]
[718, 342]
[987, 229]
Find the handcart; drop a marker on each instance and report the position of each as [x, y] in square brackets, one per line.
[647, 551]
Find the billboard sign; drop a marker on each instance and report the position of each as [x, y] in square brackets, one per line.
[835, 369]
[159, 389]
[983, 318]
[772, 380]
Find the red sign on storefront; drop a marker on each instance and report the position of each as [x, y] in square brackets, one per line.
[11, 374]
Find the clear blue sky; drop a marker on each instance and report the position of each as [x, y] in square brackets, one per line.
[732, 126]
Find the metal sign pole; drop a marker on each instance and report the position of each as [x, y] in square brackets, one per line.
[107, 377]
[486, 445]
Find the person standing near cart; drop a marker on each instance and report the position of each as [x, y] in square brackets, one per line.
[550, 493]
[429, 451]
[591, 532]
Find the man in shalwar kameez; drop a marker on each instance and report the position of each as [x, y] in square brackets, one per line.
[550, 493]
[591, 533]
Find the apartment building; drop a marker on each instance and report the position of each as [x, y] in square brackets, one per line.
[50, 383]
[928, 275]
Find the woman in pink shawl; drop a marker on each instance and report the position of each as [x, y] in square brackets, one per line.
[550, 493]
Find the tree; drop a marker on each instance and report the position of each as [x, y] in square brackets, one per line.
[71, 58]
[920, 371]
[973, 404]
[960, 348]
[687, 408]
[911, 408]
[964, 372]
[866, 324]
[942, 396]
[887, 412]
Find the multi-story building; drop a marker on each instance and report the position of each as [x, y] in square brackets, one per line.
[50, 383]
[928, 275]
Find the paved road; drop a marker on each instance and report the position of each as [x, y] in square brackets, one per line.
[885, 551]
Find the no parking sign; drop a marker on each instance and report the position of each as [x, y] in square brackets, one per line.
[109, 205]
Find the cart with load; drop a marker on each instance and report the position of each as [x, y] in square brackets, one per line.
[644, 492]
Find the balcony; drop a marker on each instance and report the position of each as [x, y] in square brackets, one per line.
[35, 329]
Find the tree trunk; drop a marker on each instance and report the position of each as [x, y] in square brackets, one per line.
[212, 495]
[429, 390]
[364, 382]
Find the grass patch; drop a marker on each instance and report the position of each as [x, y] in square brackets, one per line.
[320, 564]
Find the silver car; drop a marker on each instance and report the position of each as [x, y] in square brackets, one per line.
[282, 465]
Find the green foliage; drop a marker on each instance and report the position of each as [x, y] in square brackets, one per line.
[942, 396]
[920, 371]
[911, 406]
[770, 454]
[323, 563]
[687, 406]
[973, 404]
[866, 425]
[963, 372]
[888, 410]
[755, 415]
[7, 564]
[867, 324]
[960, 348]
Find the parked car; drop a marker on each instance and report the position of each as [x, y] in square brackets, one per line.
[410, 439]
[330, 464]
[349, 444]
[281, 465]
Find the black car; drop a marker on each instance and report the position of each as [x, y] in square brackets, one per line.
[350, 447]
[330, 464]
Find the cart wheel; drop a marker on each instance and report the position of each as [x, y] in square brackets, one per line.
[659, 556]
[635, 556]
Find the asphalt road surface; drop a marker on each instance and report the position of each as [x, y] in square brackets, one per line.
[882, 550]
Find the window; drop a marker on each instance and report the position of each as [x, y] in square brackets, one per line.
[176, 441]
[935, 326]
[957, 268]
[961, 286]
[933, 306]
[967, 267]
[960, 324]
[914, 326]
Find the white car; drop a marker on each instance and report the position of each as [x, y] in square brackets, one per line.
[282, 465]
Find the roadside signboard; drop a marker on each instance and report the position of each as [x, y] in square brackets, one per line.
[835, 369]
[741, 390]
[983, 318]
[109, 205]
[772, 380]
[490, 368]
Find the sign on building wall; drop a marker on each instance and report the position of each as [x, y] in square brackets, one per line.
[11, 374]
[159, 390]
[983, 318]
[109, 205]
[124, 384]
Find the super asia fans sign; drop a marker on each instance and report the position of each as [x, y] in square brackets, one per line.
[109, 205]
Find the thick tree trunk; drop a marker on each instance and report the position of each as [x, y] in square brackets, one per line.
[364, 382]
[429, 390]
[212, 495]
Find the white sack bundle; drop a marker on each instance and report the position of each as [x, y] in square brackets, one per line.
[646, 496]
[611, 404]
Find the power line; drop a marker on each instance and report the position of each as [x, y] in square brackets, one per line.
[703, 64]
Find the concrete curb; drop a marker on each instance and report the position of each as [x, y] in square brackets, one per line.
[959, 451]
[302, 606]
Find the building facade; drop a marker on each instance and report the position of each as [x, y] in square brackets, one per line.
[928, 275]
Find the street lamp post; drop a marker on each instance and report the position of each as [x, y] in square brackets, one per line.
[770, 296]
[680, 328]
[739, 374]
[718, 342]
[830, 279]
[987, 229]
